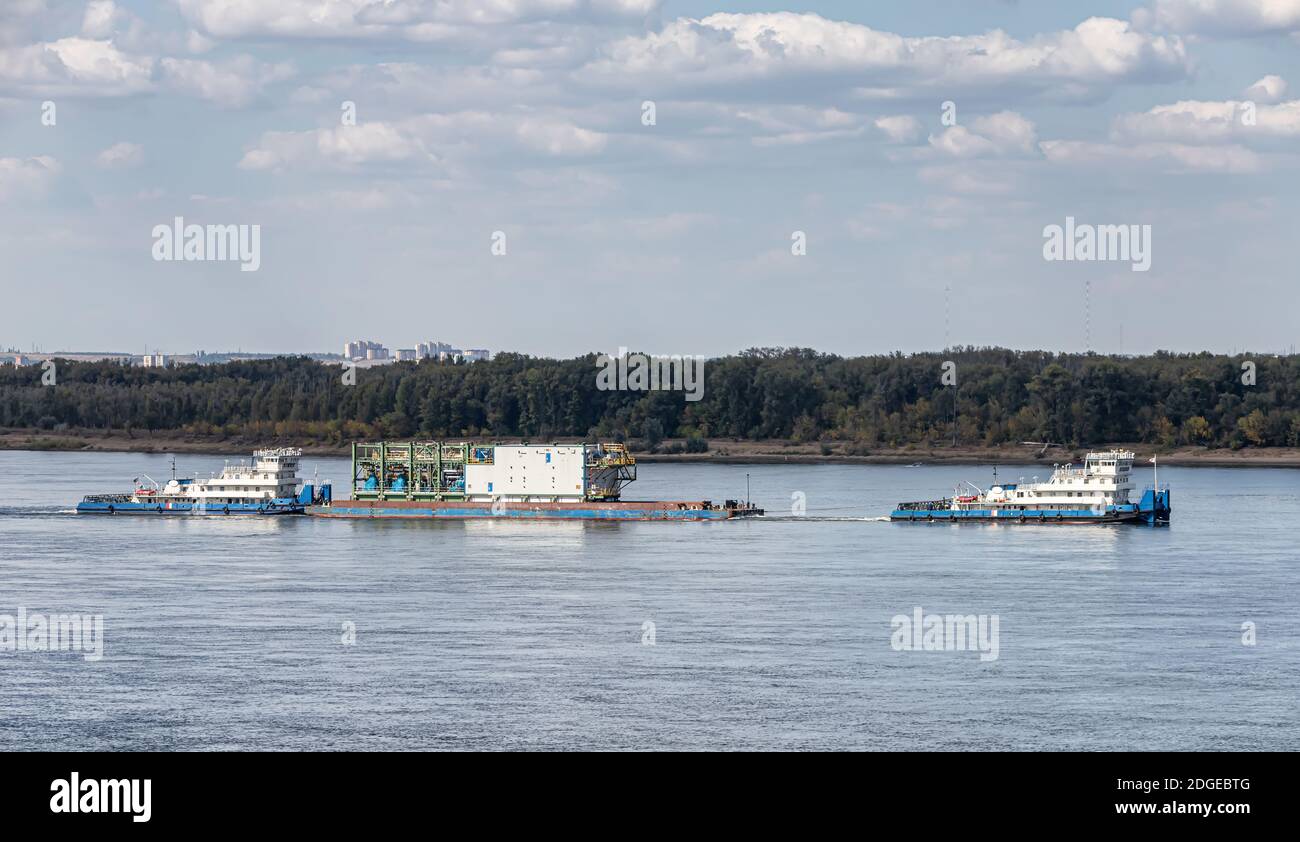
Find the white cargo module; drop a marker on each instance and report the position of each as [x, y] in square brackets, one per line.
[520, 472]
[455, 471]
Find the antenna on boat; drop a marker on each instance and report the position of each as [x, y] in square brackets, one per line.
[173, 466]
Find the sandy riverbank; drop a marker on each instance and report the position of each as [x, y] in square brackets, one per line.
[722, 451]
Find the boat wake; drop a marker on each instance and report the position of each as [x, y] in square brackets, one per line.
[821, 519]
[15, 511]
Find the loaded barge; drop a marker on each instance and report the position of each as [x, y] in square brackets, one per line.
[1097, 492]
[463, 480]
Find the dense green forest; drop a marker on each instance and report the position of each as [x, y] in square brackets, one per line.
[864, 402]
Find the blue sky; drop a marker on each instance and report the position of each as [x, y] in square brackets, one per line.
[524, 116]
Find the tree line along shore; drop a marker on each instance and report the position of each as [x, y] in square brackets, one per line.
[764, 404]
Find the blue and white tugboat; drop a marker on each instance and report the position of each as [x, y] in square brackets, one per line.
[268, 486]
[1099, 491]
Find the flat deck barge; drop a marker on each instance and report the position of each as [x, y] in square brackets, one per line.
[465, 480]
[611, 510]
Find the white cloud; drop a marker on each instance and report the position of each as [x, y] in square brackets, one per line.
[1004, 133]
[342, 147]
[1195, 121]
[121, 155]
[1268, 89]
[1228, 17]
[409, 86]
[17, 19]
[765, 47]
[779, 125]
[1191, 136]
[292, 18]
[22, 178]
[1008, 130]
[233, 83]
[381, 197]
[959, 178]
[74, 66]
[1177, 157]
[310, 95]
[101, 18]
[903, 128]
[556, 137]
[961, 142]
[460, 135]
[198, 43]
[413, 20]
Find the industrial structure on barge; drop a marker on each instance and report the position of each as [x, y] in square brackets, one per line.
[435, 479]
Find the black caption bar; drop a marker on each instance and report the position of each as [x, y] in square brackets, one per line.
[140, 793]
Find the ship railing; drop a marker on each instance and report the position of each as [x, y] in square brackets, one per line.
[926, 505]
[107, 498]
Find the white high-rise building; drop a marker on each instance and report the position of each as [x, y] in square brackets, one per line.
[431, 349]
[364, 349]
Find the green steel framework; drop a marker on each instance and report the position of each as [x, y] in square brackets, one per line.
[426, 468]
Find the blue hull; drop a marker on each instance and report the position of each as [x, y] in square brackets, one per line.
[517, 513]
[281, 506]
[1028, 516]
[1153, 509]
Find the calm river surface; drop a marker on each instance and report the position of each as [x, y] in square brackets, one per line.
[767, 634]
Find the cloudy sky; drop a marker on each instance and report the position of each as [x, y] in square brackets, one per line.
[526, 117]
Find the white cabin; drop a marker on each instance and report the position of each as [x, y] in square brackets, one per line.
[1104, 479]
[273, 474]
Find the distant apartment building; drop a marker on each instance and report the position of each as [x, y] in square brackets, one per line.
[431, 350]
[364, 349]
[374, 352]
[444, 352]
[153, 361]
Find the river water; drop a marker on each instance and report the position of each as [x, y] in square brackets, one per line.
[774, 633]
